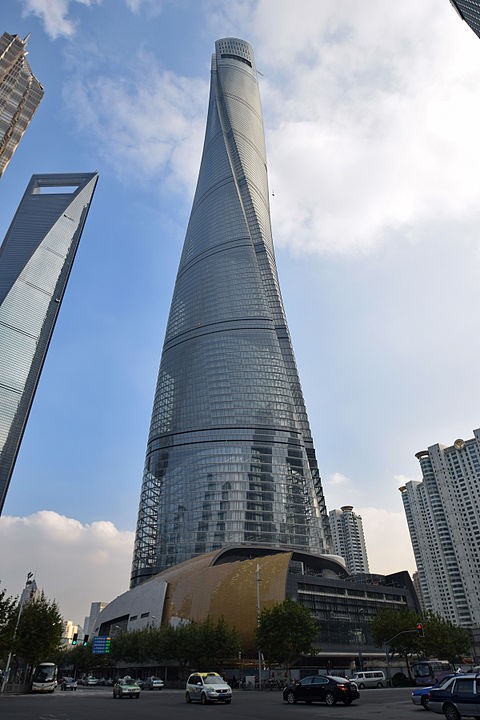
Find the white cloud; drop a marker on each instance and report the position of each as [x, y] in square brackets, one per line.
[337, 479]
[387, 539]
[75, 564]
[146, 122]
[153, 7]
[54, 15]
[373, 126]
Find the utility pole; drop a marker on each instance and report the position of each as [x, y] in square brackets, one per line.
[20, 608]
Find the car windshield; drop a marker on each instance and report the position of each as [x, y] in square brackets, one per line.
[214, 680]
[43, 674]
[443, 682]
[422, 670]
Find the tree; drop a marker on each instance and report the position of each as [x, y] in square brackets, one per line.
[215, 643]
[40, 631]
[8, 616]
[443, 639]
[397, 629]
[286, 631]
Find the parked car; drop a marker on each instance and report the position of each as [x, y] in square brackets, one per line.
[154, 683]
[126, 687]
[68, 683]
[140, 683]
[90, 681]
[207, 687]
[369, 678]
[458, 697]
[329, 689]
[420, 696]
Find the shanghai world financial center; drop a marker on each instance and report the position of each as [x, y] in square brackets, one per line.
[230, 456]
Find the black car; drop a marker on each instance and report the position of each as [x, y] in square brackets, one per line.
[329, 689]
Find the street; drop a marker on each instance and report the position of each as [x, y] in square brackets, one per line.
[98, 703]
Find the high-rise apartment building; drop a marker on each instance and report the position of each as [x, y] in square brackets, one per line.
[35, 262]
[469, 10]
[348, 539]
[443, 519]
[230, 456]
[20, 95]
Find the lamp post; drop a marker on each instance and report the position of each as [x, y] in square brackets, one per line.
[20, 608]
[257, 577]
[360, 638]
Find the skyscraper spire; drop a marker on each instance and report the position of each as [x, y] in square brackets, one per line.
[230, 456]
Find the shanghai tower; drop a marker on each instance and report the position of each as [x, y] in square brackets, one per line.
[230, 456]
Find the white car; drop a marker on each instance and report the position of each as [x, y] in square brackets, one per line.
[68, 683]
[207, 687]
[154, 683]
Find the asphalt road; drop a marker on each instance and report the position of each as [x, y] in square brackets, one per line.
[98, 704]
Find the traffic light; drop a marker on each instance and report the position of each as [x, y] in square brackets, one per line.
[74, 638]
[107, 644]
[85, 640]
[420, 630]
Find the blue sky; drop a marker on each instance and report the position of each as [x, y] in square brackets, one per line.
[371, 119]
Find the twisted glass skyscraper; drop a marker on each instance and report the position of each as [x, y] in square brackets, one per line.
[230, 457]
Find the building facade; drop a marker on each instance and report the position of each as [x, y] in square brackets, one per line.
[36, 258]
[348, 538]
[469, 10]
[230, 456]
[234, 582]
[20, 95]
[444, 524]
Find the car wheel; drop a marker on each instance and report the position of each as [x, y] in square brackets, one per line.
[451, 712]
[137, 696]
[291, 699]
[348, 701]
[379, 684]
[227, 702]
[330, 699]
[203, 699]
[424, 702]
[361, 686]
[188, 699]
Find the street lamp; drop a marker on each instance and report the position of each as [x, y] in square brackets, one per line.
[257, 576]
[360, 638]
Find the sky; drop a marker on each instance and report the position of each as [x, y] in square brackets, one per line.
[371, 113]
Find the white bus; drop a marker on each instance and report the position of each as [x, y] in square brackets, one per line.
[44, 679]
